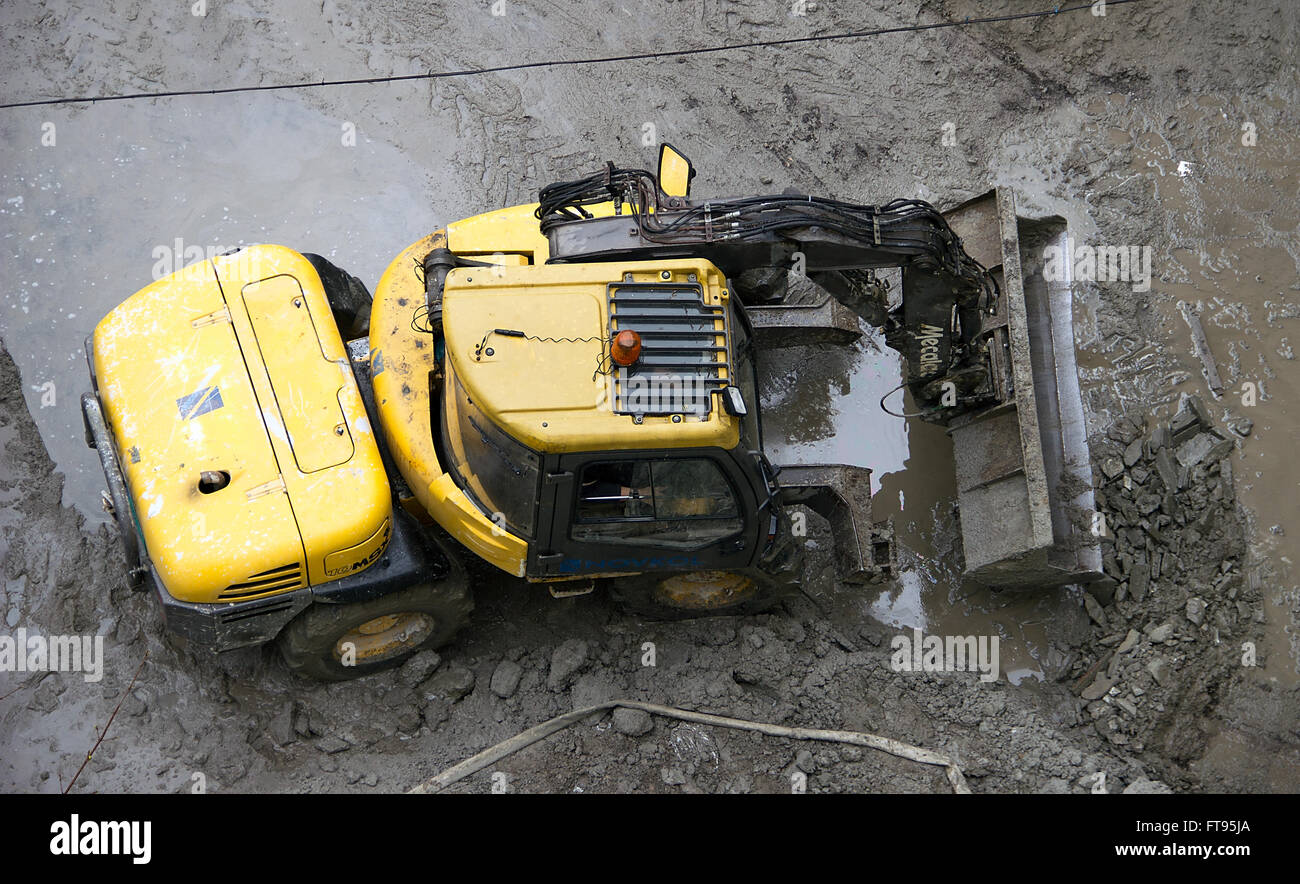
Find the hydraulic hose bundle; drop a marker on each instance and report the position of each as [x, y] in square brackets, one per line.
[913, 230]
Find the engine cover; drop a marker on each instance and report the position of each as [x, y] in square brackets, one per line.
[251, 465]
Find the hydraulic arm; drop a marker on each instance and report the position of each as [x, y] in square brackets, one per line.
[938, 326]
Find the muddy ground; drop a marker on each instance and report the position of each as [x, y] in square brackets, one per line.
[1132, 127]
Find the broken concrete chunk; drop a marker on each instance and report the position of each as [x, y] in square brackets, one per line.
[301, 720]
[1112, 669]
[1104, 590]
[1168, 471]
[567, 659]
[1112, 467]
[281, 727]
[1220, 450]
[419, 668]
[1130, 641]
[450, 684]
[1111, 565]
[1196, 405]
[1100, 686]
[1148, 503]
[1124, 431]
[1223, 580]
[1195, 610]
[1159, 669]
[1161, 437]
[1196, 449]
[1144, 786]
[1206, 523]
[1094, 609]
[1161, 633]
[505, 679]
[1133, 453]
[1185, 425]
[331, 744]
[1138, 578]
[1202, 347]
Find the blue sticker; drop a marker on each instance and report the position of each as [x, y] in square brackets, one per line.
[200, 402]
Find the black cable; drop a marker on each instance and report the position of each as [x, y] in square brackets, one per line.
[927, 413]
[913, 230]
[574, 62]
[420, 321]
[604, 364]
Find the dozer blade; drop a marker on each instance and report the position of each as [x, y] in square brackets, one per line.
[1024, 475]
[864, 550]
[796, 325]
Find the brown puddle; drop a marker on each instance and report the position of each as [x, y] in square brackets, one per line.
[822, 406]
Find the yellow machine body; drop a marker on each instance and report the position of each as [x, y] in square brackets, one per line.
[251, 465]
[548, 391]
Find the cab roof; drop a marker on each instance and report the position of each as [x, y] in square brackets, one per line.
[529, 345]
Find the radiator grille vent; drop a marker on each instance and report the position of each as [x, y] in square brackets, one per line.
[683, 348]
[264, 583]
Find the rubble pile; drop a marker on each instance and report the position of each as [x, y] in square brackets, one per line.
[1174, 617]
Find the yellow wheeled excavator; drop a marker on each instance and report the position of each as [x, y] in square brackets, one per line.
[567, 390]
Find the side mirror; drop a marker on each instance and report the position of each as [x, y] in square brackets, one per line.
[675, 171]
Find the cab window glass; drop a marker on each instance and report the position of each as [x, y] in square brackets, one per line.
[681, 503]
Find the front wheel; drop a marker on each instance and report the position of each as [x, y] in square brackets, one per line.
[340, 642]
[690, 594]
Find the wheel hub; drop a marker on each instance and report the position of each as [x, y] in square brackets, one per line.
[385, 636]
[705, 590]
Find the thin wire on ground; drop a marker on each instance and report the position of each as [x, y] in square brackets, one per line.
[573, 62]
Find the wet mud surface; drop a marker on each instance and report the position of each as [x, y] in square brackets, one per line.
[1142, 679]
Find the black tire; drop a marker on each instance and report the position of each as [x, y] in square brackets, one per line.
[686, 596]
[348, 296]
[428, 615]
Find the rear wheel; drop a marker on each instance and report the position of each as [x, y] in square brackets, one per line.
[348, 297]
[339, 642]
[690, 594]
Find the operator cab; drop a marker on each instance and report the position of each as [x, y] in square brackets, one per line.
[608, 452]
